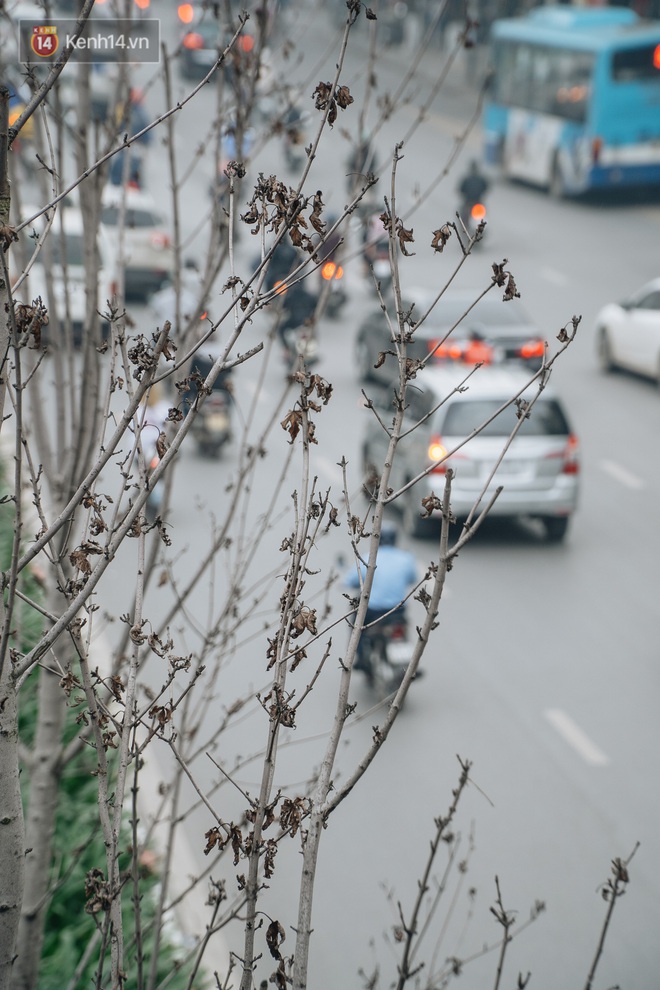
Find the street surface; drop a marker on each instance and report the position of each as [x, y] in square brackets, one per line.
[544, 669]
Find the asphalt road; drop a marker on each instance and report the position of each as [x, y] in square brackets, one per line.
[543, 671]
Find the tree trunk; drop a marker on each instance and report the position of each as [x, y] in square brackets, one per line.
[39, 829]
[12, 842]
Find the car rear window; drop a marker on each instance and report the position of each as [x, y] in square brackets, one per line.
[134, 218]
[463, 417]
[489, 312]
[70, 253]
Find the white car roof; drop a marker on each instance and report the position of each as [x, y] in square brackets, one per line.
[135, 198]
[486, 382]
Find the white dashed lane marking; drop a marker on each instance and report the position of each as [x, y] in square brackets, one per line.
[571, 733]
[623, 475]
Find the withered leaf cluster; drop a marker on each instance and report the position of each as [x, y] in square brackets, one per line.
[327, 99]
[276, 205]
[30, 321]
[279, 709]
[162, 714]
[440, 238]
[303, 621]
[504, 279]
[292, 813]
[80, 556]
[431, 503]
[217, 837]
[97, 892]
[403, 234]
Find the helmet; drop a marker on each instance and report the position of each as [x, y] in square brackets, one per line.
[388, 535]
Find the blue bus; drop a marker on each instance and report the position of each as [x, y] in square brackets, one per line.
[573, 104]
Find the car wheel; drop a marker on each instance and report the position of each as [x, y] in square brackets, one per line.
[556, 528]
[605, 352]
[557, 187]
[363, 360]
[414, 523]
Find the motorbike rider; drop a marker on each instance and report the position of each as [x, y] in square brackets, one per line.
[396, 572]
[473, 186]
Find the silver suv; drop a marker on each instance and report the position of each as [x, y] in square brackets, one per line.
[539, 472]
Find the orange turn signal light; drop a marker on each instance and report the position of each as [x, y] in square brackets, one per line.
[330, 270]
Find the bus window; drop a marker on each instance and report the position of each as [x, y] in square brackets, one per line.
[572, 77]
[636, 64]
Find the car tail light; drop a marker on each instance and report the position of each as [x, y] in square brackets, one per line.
[596, 148]
[437, 453]
[478, 212]
[330, 270]
[532, 349]
[160, 241]
[443, 351]
[478, 352]
[193, 41]
[397, 631]
[246, 43]
[186, 13]
[569, 455]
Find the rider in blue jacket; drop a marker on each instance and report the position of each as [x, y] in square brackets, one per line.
[396, 572]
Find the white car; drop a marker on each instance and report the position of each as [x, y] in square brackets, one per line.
[628, 333]
[147, 254]
[64, 253]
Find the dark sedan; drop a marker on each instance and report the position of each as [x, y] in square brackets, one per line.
[204, 42]
[490, 332]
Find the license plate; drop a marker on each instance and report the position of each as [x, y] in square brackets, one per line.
[399, 652]
[506, 468]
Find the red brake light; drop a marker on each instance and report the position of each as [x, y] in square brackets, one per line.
[478, 211]
[246, 43]
[142, 4]
[478, 352]
[596, 147]
[571, 458]
[160, 241]
[193, 40]
[186, 13]
[532, 349]
[442, 351]
[436, 453]
[569, 455]
[656, 57]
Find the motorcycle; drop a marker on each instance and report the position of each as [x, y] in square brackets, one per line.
[377, 257]
[331, 278]
[473, 217]
[385, 652]
[376, 250]
[211, 427]
[295, 325]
